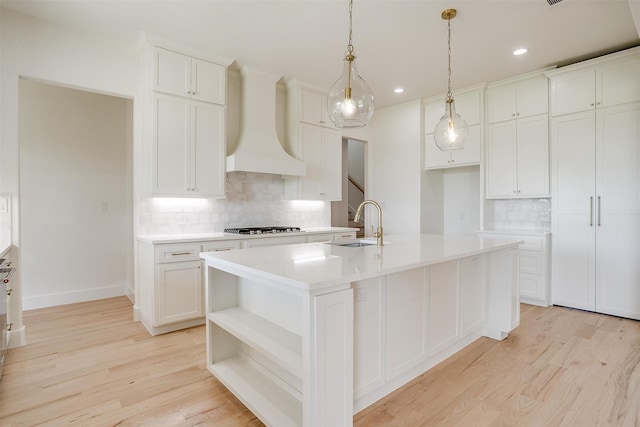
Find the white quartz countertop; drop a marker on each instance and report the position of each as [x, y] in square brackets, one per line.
[203, 237]
[314, 266]
[518, 232]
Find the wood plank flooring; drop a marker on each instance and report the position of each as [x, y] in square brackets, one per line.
[89, 364]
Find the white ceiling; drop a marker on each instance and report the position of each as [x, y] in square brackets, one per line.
[397, 42]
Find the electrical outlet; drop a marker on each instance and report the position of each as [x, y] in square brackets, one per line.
[182, 219]
[104, 207]
[360, 294]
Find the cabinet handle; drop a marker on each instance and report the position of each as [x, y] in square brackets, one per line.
[599, 211]
[346, 235]
[590, 211]
[180, 253]
[513, 114]
[9, 291]
[9, 326]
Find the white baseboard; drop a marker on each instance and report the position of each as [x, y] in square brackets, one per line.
[17, 338]
[62, 298]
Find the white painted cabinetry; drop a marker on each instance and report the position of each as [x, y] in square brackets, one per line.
[171, 288]
[313, 139]
[596, 186]
[469, 104]
[188, 125]
[189, 142]
[182, 75]
[518, 139]
[534, 261]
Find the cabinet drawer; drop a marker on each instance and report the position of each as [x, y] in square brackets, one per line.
[531, 262]
[175, 253]
[530, 244]
[220, 246]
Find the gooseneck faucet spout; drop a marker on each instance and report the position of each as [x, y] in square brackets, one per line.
[378, 234]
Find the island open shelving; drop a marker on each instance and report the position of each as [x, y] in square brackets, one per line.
[309, 334]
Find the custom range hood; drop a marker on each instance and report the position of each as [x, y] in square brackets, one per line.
[259, 149]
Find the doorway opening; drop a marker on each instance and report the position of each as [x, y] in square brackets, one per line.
[76, 195]
[354, 154]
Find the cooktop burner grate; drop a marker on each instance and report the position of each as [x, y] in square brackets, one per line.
[262, 230]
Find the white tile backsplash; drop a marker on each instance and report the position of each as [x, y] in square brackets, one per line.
[517, 214]
[252, 199]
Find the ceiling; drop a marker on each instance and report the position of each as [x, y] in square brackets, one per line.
[399, 43]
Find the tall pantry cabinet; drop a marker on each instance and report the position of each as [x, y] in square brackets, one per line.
[595, 152]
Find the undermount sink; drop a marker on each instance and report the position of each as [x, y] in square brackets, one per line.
[353, 244]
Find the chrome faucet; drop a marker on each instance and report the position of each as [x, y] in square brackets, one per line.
[378, 233]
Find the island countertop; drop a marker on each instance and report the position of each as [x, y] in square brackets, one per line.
[314, 266]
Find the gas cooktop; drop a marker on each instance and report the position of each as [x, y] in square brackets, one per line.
[263, 230]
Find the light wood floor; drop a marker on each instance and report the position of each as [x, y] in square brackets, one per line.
[89, 364]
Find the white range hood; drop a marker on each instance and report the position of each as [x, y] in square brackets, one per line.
[259, 149]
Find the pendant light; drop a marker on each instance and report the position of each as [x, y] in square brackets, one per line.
[451, 130]
[350, 101]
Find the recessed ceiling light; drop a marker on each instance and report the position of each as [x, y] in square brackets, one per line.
[398, 90]
[519, 52]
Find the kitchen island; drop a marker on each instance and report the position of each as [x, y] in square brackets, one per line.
[309, 334]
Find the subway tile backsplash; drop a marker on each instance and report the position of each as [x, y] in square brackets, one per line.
[252, 199]
[517, 214]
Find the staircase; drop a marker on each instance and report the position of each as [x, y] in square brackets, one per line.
[358, 225]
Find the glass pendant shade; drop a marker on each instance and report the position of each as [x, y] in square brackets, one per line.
[350, 101]
[451, 130]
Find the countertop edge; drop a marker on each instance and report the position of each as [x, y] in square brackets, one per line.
[204, 237]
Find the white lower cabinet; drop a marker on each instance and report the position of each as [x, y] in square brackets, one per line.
[179, 292]
[534, 262]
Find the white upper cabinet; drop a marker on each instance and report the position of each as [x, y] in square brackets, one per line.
[517, 158]
[188, 147]
[598, 84]
[312, 138]
[469, 106]
[521, 99]
[182, 75]
[312, 108]
[188, 125]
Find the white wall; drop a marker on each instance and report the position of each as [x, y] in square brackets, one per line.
[75, 195]
[394, 178]
[43, 51]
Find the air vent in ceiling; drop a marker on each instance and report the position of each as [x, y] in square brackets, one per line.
[552, 2]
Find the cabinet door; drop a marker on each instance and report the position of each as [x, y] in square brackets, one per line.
[311, 153]
[501, 103]
[618, 83]
[532, 97]
[310, 107]
[468, 105]
[433, 157]
[533, 156]
[179, 292]
[407, 320]
[444, 324]
[433, 111]
[573, 186]
[502, 160]
[368, 335]
[171, 72]
[618, 211]
[171, 128]
[331, 165]
[471, 274]
[208, 81]
[470, 154]
[207, 149]
[573, 92]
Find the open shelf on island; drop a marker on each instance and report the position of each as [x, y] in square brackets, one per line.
[276, 343]
[257, 392]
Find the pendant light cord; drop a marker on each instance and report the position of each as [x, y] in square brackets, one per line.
[449, 95]
[350, 45]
